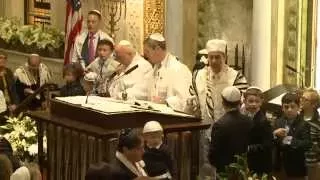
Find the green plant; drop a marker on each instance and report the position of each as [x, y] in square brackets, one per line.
[240, 171]
[31, 38]
[21, 132]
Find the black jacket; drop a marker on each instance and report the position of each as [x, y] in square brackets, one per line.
[229, 137]
[72, 89]
[159, 161]
[121, 172]
[260, 145]
[292, 156]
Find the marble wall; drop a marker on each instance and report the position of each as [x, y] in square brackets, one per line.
[226, 19]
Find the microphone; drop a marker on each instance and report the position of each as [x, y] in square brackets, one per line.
[111, 80]
[291, 68]
[297, 72]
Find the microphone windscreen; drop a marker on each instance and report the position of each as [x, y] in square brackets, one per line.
[131, 69]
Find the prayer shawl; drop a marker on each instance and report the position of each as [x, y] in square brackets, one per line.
[207, 86]
[27, 78]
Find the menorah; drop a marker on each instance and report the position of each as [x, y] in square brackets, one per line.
[113, 10]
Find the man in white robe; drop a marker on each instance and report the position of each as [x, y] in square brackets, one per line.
[85, 47]
[207, 85]
[132, 85]
[171, 79]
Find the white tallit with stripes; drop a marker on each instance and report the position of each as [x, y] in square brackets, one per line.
[209, 85]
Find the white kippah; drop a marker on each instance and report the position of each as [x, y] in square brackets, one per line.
[34, 55]
[231, 94]
[152, 126]
[254, 87]
[157, 37]
[96, 11]
[203, 51]
[125, 43]
[216, 45]
[21, 174]
[91, 76]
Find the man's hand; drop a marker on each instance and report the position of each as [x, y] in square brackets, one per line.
[158, 99]
[192, 104]
[280, 132]
[12, 107]
[28, 91]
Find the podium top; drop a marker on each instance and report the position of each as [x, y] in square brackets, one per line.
[112, 114]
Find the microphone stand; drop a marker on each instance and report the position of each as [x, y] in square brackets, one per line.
[301, 76]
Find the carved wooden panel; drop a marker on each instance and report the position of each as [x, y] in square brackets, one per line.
[291, 41]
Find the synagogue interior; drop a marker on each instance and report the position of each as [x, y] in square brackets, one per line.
[159, 89]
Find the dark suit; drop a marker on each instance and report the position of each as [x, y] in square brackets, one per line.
[260, 145]
[159, 161]
[121, 172]
[229, 137]
[293, 155]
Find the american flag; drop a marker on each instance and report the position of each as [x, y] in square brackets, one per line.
[72, 27]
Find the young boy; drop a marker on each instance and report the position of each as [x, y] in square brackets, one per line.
[72, 74]
[292, 137]
[157, 157]
[104, 65]
[309, 105]
[260, 141]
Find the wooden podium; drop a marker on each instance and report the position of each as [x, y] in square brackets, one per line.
[78, 136]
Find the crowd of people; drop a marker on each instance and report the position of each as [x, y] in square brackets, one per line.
[214, 91]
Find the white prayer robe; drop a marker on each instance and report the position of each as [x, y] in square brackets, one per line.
[170, 81]
[134, 83]
[80, 40]
[104, 70]
[206, 79]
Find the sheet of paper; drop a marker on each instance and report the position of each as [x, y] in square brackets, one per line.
[277, 100]
[109, 105]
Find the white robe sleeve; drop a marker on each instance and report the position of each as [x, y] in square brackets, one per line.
[180, 82]
[139, 90]
[76, 55]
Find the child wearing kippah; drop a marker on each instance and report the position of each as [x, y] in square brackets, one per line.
[157, 157]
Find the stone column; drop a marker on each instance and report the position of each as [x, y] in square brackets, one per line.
[181, 29]
[58, 14]
[261, 44]
[15, 8]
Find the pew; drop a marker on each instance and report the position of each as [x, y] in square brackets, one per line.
[79, 134]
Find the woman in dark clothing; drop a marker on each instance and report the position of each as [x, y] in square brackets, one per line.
[8, 88]
[5, 148]
[72, 73]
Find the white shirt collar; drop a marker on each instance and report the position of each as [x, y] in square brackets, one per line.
[137, 169]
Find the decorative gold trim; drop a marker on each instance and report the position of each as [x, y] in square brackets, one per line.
[154, 17]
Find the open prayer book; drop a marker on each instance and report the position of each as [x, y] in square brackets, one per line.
[109, 105]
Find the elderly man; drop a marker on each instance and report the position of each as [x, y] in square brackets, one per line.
[130, 82]
[30, 77]
[171, 79]
[86, 43]
[207, 83]
[104, 66]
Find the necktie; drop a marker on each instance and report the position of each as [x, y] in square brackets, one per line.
[91, 48]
